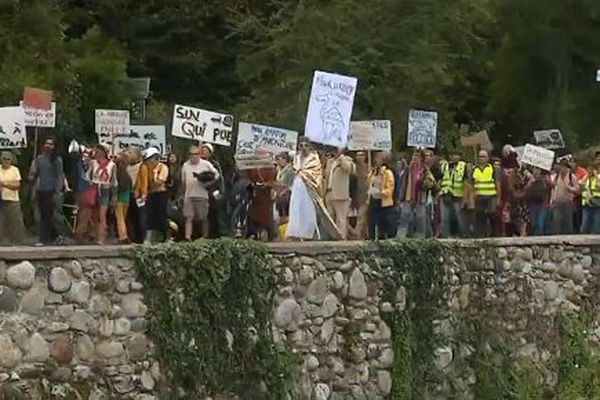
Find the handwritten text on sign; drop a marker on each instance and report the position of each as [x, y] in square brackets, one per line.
[110, 123]
[538, 157]
[370, 135]
[422, 128]
[252, 137]
[37, 117]
[330, 108]
[143, 136]
[202, 125]
[12, 128]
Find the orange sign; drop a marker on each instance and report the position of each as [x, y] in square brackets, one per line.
[37, 98]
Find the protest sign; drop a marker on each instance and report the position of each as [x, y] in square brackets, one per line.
[110, 123]
[549, 139]
[520, 150]
[39, 118]
[252, 137]
[422, 129]
[330, 108]
[12, 128]
[370, 135]
[477, 139]
[142, 136]
[202, 125]
[538, 157]
[37, 98]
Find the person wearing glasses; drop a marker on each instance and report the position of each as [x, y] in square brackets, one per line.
[11, 217]
[196, 175]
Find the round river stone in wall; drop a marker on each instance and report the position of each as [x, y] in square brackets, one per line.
[59, 280]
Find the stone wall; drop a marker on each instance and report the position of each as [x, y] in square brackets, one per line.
[73, 329]
[72, 323]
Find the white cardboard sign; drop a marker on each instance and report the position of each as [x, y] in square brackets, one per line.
[202, 125]
[538, 157]
[12, 128]
[549, 139]
[330, 108]
[373, 135]
[39, 118]
[422, 129]
[253, 137]
[142, 136]
[110, 123]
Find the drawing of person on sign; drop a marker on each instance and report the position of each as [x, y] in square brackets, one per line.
[331, 116]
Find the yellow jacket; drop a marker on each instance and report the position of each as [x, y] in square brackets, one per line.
[387, 185]
[140, 186]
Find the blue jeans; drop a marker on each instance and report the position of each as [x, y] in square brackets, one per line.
[562, 219]
[415, 221]
[590, 220]
[382, 221]
[453, 216]
[538, 213]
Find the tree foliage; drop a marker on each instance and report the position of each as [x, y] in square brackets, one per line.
[515, 66]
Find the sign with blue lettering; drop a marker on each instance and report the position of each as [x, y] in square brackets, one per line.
[253, 137]
[258, 144]
[370, 135]
[422, 129]
[202, 125]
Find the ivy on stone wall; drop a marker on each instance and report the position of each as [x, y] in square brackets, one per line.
[416, 285]
[210, 308]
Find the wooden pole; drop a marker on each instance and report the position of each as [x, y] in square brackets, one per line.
[35, 141]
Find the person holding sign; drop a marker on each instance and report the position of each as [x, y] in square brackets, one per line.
[454, 176]
[47, 176]
[486, 185]
[337, 193]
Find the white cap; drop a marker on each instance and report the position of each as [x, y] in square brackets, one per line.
[150, 152]
[209, 146]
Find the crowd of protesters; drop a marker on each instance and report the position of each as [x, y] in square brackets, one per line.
[139, 196]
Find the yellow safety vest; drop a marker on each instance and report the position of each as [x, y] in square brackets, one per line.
[591, 189]
[484, 183]
[453, 182]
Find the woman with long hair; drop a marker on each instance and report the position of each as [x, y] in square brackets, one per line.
[103, 174]
[174, 178]
[382, 224]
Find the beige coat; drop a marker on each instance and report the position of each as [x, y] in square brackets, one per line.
[337, 178]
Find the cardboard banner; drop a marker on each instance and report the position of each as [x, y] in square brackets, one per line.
[202, 125]
[549, 139]
[422, 129]
[480, 139]
[110, 123]
[330, 109]
[538, 157]
[12, 128]
[373, 135]
[37, 98]
[39, 118]
[254, 161]
[142, 136]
